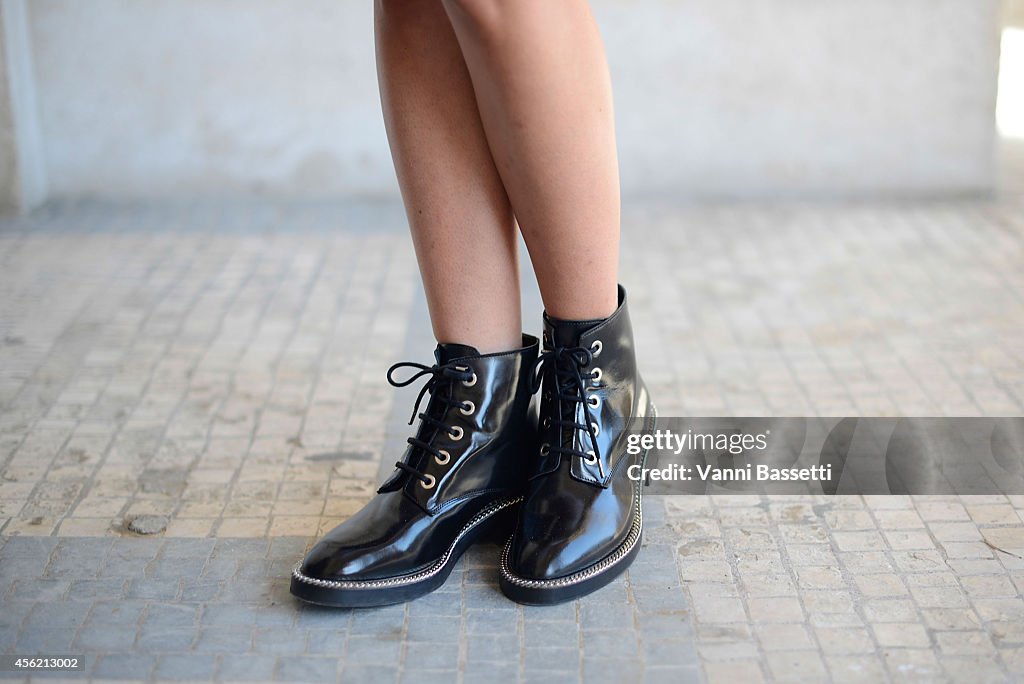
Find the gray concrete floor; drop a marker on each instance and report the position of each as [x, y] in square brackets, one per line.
[221, 367]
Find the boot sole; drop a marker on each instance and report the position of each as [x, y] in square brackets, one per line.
[492, 521]
[546, 592]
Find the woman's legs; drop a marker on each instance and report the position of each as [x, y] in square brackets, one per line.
[544, 94]
[461, 221]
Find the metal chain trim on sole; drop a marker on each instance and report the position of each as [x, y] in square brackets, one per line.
[407, 579]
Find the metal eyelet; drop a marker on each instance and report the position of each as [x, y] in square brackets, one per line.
[593, 401]
[596, 428]
[596, 347]
[472, 379]
[546, 423]
[456, 433]
[595, 375]
[590, 457]
[467, 408]
[429, 484]
[545, 449]
[447, 457]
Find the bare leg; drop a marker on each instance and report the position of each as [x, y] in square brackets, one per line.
[544, 94]
[461, 221]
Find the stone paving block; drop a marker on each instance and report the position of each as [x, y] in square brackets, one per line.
[771, 584]
[287, 548]
[484, 597]
[387, 620]
[790, 666]
[436, 604]
[718, 609]
[329, 641]
[105, 639]
[818, 577]
[491, 648]
[610, 669]
[553, 634]
[809, 554]
[785, 637]
[561, 663]
[246, 668]
[165, 639]
[901, 635]
[657, 600]
[593, 616]
[244, 548]
[308, 615]
[973, 669]
[119, 666]
[677, 654]
[610, 643]
[220, 568]
[228, 615]
[855, 669]
[64, 615]
[164, 615]
[657, 675]
[38, 548]
[39, 589]
[37, 640]
[262, 592]
[14, 613]
[734, 671]
[176, 568]
[237, 639]
[663, 626]
[272, 640]
[431, 656]
[778, 609]
[361, 674]
[78, 558]
[155, 589]
[96, 589]
[186, 667]
[187, 548]
[881, 585]
[110, 613]
[200, 591]
[480, 622]
[306, 669]
[912, 664]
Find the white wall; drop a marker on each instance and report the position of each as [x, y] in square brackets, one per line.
[22, 162]
[714, 97]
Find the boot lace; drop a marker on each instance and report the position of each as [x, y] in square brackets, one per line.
[441, 378]
[571, 385]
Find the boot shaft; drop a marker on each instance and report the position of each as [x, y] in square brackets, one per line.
[614, 395]
[487, 428]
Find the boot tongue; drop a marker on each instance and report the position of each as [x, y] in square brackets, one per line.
[564, 333]
[448, 352]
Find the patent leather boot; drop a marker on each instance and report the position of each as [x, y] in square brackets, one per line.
[581, 523]
[461, 479]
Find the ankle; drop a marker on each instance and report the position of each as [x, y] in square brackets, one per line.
[591, 309]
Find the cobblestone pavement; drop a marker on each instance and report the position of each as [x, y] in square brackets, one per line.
[221, 367]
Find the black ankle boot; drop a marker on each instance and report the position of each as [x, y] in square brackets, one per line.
[461, 479]
[581, 522]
